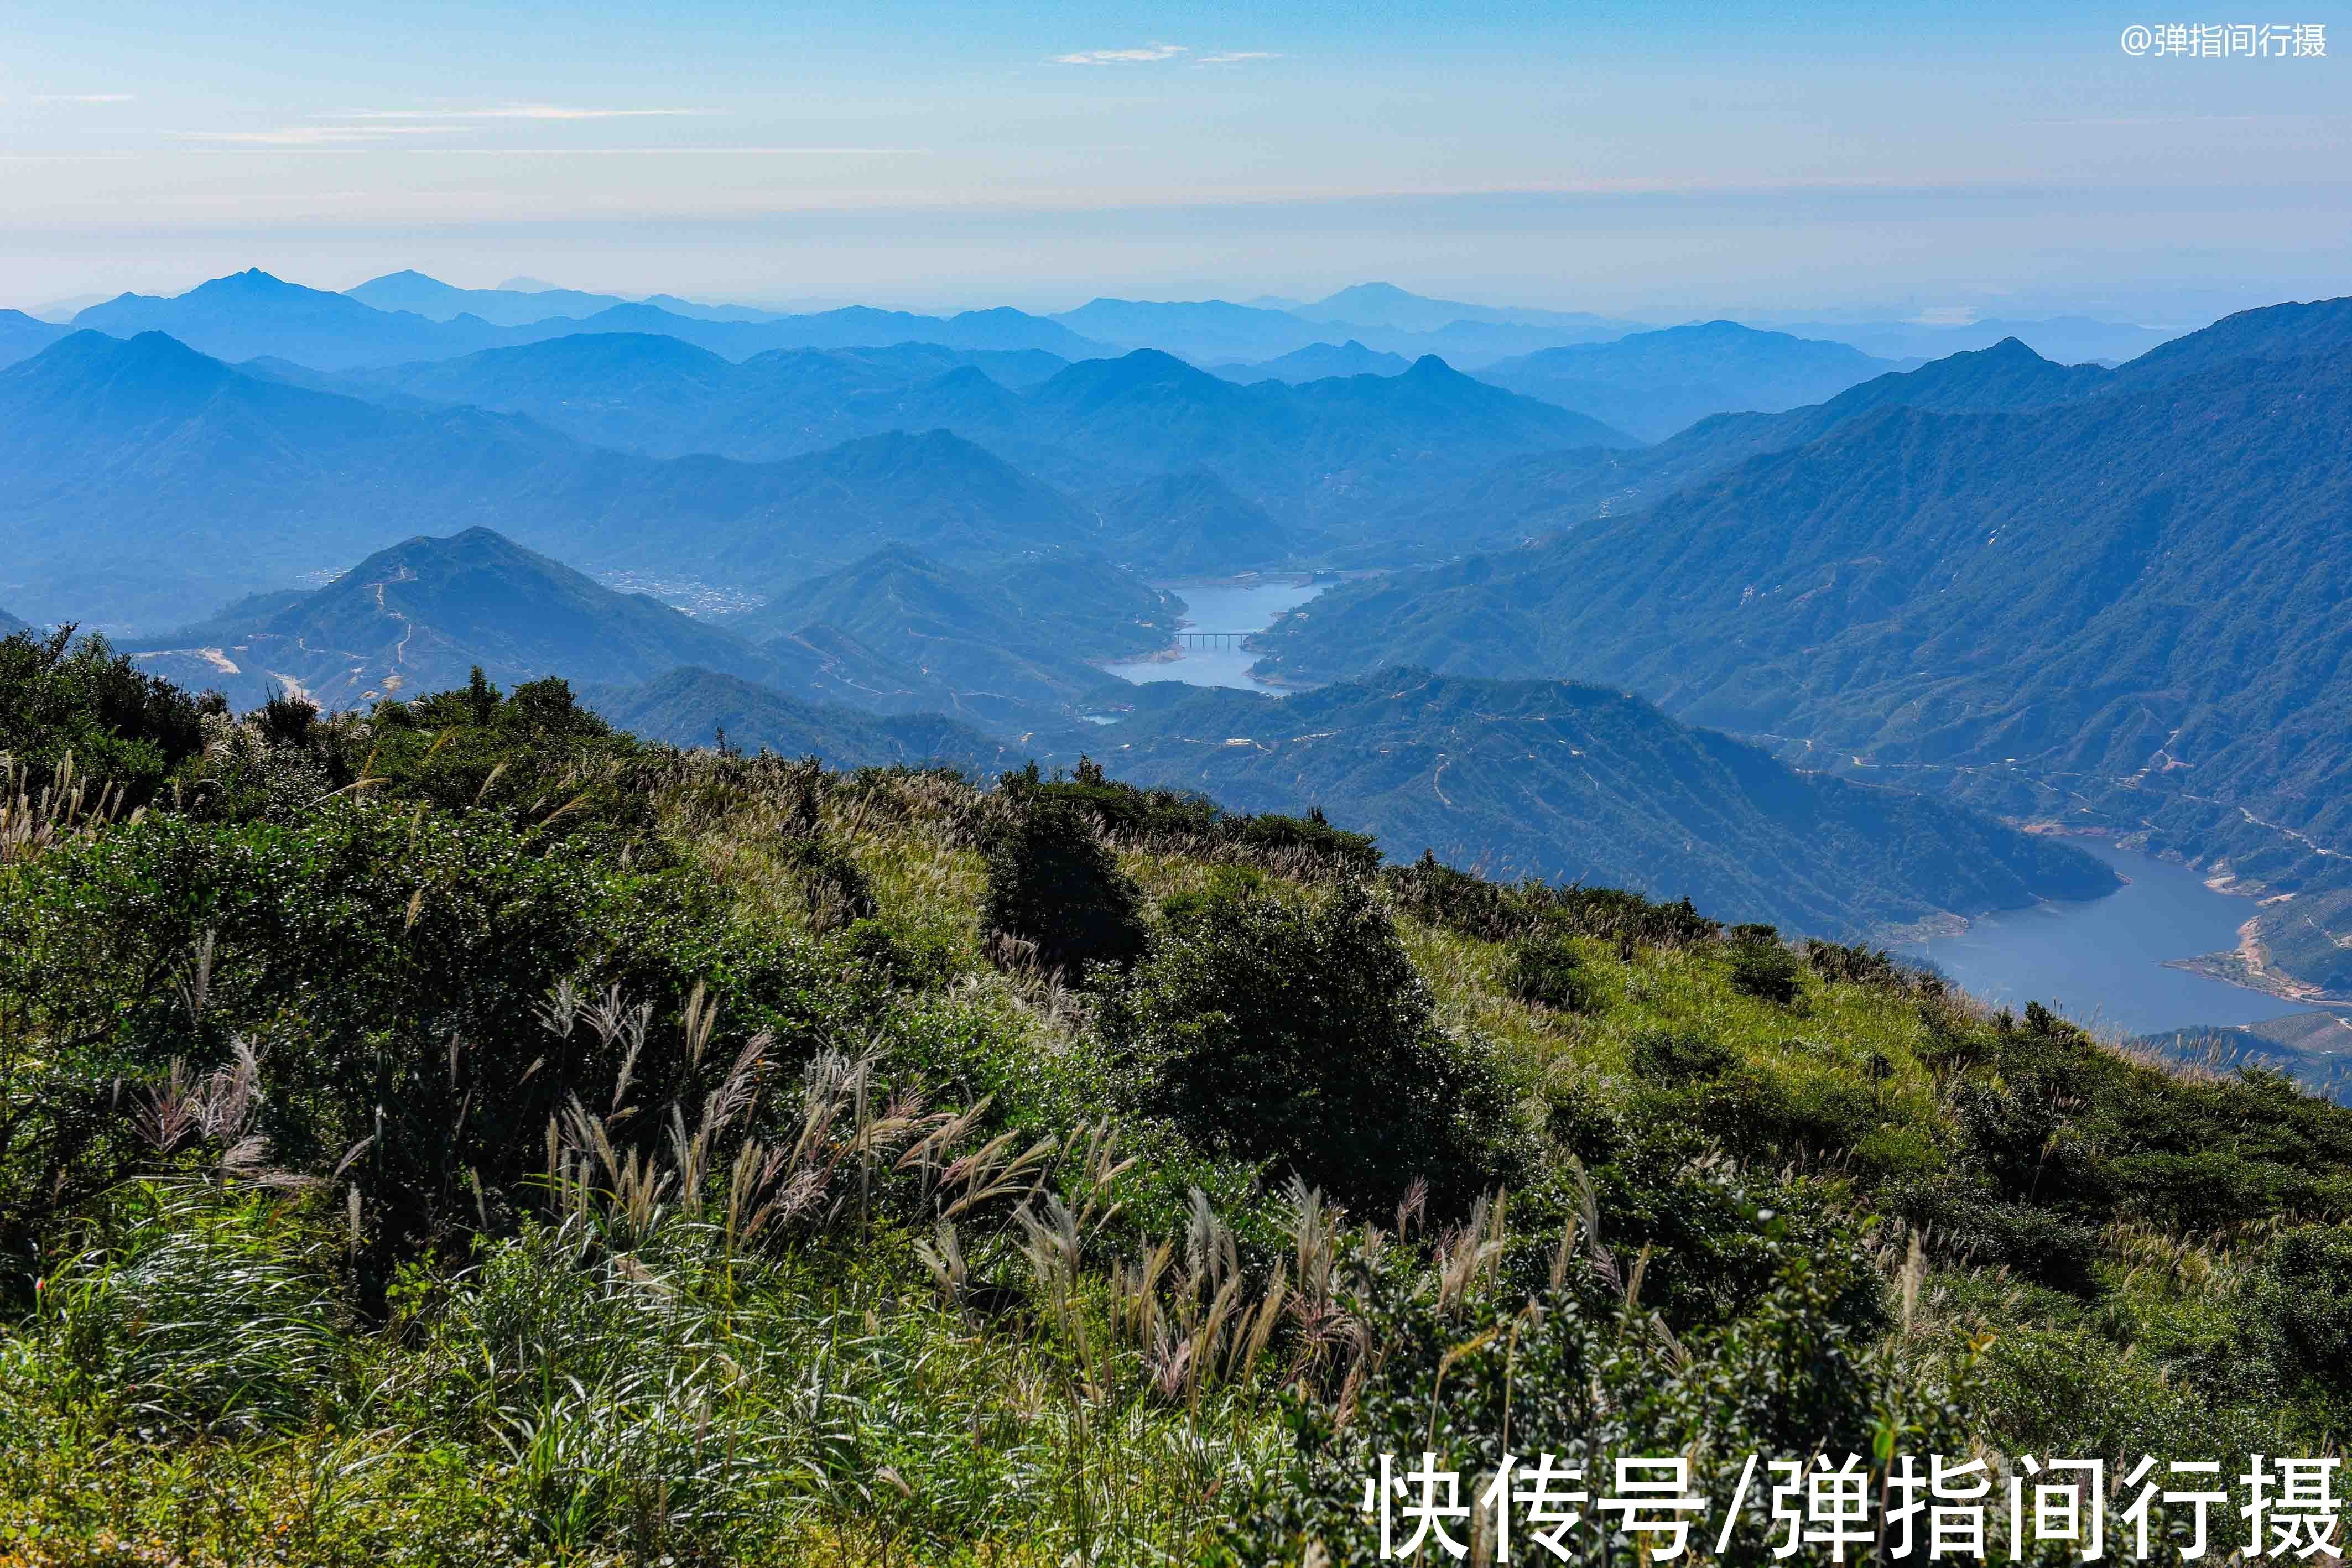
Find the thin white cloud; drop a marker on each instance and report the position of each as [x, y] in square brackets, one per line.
[514, 112]
[85, 97]
[1120, 57]
[315, 135]
[1235, 57]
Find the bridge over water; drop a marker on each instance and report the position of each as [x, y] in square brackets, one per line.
[1211, 639]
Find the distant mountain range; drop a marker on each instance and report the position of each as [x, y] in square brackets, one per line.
[1386, 304]
[1527, 497]
[1574, 783]
[150, 482]
[2111, 599]
[250, 315]
[1534, 776]
[1322, 455]
[1214, 331]
[1192, 523]
[1008, 646]
[638, 392]
[2070, 340]
[1655, 383]
[10, 624]
[1316, 361]
[508, 306]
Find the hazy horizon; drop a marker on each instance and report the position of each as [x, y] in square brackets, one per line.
[1660, 163]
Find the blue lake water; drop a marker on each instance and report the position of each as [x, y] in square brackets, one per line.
[2102, 963]
[1250, 607]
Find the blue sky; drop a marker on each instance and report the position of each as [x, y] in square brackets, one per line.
[1663, 160]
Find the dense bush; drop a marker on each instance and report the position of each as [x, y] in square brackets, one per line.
[1054, 887]
[1298, 1034]
[2303, 1310]
[391, 968]
[64, 697]
[1762, 968]
[1544, 969]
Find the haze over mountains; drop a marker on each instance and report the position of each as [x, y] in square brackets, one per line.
[907, 531]
[229, 481]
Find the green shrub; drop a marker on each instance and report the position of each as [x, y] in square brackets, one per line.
[2302, 1301]
[1670, 1057]
[1545, 971]
[61, 696]
[1054, 886]
[1763, 968]
[1300, 1034]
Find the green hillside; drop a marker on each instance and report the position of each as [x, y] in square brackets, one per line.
[462, 1134]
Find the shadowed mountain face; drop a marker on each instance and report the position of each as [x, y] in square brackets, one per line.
[1565, 782]
[10, 624]
[1320, 456]
[151, 483]
[1026, 632]
[1655, 383]
[695, 706]
[1192, 523]
[1529, 497]
[416, 617]
[2127, 609]
[21, 336]
[667, 398]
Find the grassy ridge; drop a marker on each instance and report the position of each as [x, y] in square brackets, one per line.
[536, 1146]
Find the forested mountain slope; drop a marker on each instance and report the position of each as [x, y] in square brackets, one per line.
[2125, 611]
[1574, 783]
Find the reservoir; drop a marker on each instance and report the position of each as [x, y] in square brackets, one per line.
[2102, 963]
[1225, 607]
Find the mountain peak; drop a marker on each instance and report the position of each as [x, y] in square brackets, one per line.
[251, 284]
